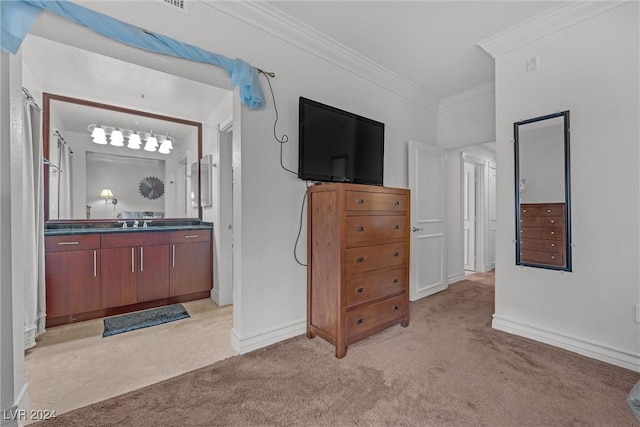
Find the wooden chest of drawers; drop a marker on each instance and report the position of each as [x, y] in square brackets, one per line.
[358, 258]
[542, 234]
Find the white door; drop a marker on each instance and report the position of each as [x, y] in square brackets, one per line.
[491, 256]
[426, 182]
[469, 216]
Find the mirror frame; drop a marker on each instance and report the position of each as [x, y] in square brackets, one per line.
[46, 135]
[567, 191]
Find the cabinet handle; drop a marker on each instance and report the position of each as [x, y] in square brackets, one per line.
[396, 227]
[396, 253]
[173, 256]
[360, 291]
[396, 280]
[191, 236]
[141, 259]
[549, 210]
[360, 259]
[553, 245]
[361, 228]
[360, 321]
[132, 260]
[68, 243]
[360, 201]
[553, 257]
[553, 232]
[95, 269]
[396, 202]
[552, 221]
[396, 307]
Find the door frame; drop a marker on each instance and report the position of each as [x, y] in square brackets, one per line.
[482, 211]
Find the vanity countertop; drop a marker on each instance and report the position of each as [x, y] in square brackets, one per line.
[129, 229]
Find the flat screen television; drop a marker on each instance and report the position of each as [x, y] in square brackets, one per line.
[338, 146]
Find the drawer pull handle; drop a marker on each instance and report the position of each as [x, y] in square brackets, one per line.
[190, 236]
[552, 221]
[553, 232]
[549, 210]
[360, 259]
[553, 245]
[396, 227]
[552, 257]
[524, 210]
[396, 280]
[396, 202]
[360, 321]
[95, 263]
[361, 228]
[360, 291]
[132, 260]
[142, 259]
[396, 253]
[360, 201]
[396, 307]
[68, 243]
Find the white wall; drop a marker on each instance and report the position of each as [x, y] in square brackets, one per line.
[591, 69]
[273, 286]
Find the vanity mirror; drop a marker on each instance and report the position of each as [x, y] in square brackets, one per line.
[542, 192]
[143, 173]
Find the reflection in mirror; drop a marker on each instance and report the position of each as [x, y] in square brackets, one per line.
[543, 232]
[99, 177]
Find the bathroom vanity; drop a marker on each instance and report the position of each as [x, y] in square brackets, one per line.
[104, 270]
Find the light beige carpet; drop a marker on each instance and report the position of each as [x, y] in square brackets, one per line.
[448, 368]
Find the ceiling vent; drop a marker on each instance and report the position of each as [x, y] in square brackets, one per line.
[181, 5]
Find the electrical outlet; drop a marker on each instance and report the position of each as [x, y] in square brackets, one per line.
[532, 64]
[637, 313]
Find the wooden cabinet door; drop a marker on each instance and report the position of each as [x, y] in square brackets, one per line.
[83, 285]
[73, 282]
[119, 277]
[190, 270]
[153, 272]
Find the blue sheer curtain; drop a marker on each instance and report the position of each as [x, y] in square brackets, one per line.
[19, 15]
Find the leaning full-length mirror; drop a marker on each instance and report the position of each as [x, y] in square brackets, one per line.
[542, 182]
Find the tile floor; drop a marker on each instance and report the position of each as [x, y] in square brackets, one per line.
[73, 366]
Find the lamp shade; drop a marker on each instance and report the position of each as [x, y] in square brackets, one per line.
[134, 141]
[165, 147]
[117, 138]
[151, 144]
[106, 194]
[98, 135]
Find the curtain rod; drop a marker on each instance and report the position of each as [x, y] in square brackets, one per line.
[30, 99]
[56, 133]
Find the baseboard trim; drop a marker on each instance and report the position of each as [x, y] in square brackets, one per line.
[16, 415]
[267, 337]
[215, 296]
[455, 278]
[590, 349]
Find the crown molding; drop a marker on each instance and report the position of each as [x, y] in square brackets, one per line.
[544, 24]
[474, 95]
[288, 29]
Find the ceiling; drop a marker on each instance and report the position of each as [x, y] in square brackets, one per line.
[433, 44]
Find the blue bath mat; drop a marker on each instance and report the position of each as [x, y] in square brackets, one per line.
[143, 319]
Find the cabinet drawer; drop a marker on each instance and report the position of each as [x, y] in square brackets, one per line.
[541, 244]
[375, 229]
[366, 201]
[190, 236]
[542, 209]
[135, 238]
[363, 318]
[542, 257]
[368, 258]
[71, 242]
[556, 233]
[369, 287]
[541, 221]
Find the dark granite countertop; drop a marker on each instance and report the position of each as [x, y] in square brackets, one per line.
[75, 229]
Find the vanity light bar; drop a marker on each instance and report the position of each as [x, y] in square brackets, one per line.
[116, 136]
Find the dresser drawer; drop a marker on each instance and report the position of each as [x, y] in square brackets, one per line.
[541, 244]
[372, 286]
[361, 230]
[368, 258]
[366, 201]
[75, 242]
[552, 232]
[542, 257]
[541, 221]
[363, 318]
[542, 209]
[190, 236]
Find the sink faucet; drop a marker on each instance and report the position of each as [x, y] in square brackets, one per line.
[135, 224]
[146, 223]
[124, 223]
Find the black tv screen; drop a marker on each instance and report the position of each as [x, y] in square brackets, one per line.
[338, 146]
